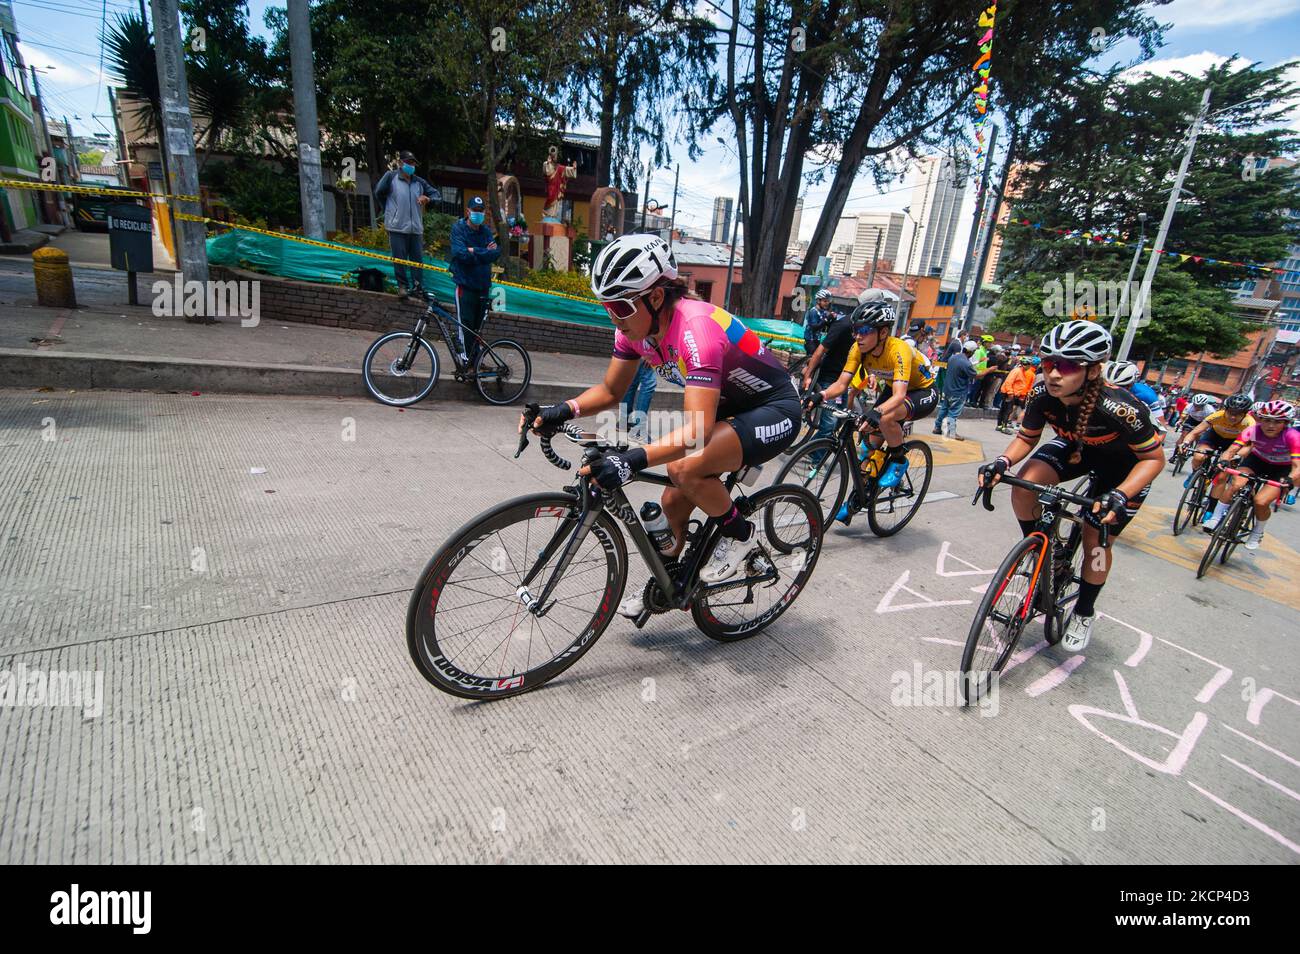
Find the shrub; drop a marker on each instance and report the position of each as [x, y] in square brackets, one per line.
[569, 283]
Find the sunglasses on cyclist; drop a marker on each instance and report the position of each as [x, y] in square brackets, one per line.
[863, 330]
[1060, 364]
[620, 309]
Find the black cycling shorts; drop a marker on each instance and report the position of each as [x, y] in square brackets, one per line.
[1213, 439]
[1109, 471]
[1262, 468]
[765, 431]
[920, 403]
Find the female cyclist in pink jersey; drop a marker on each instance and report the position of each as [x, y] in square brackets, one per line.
[740, 405]
[1269, 448]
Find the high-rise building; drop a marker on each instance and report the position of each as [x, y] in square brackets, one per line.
[1014, 187]
[721, 219]
[886, 228]
[795, 222]
[931, 225]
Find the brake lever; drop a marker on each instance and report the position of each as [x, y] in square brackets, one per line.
[530, 412]
[987, 491]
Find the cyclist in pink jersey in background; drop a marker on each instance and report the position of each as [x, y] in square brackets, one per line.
[740, 405]
[1269, 448]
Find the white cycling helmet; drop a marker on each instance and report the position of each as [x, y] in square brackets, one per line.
[1120, 374]
[1083, 341]
[1202, 399]
[631, 266]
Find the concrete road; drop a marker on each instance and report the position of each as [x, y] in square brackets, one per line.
[258, 703]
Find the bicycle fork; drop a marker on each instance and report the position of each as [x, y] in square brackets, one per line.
[568, 534]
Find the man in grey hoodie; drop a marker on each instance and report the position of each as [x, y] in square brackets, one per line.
[403, 195]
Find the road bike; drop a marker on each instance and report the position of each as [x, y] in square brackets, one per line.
[1238, 521]
[401, 367]
[520, 592]
[1040, 576]
[830, 468]
[1196, 499]
[1178, 459]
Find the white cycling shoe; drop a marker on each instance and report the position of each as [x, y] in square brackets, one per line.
[728, 557]
[1255, 538]
[632, 607]
[1078, 630]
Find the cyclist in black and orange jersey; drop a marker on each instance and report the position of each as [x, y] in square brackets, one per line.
[910, 394]
[1100, 429]
[1219, 429]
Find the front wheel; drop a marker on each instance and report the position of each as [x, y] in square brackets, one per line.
[1214, 547]
[502, 372]
[821, 468]
[786, 542]
[890, 509]
[1242, 524]
[1001, 617]
[1191, 504]
[469, 628]
[400, 369]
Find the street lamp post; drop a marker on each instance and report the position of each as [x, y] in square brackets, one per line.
[1132, 270]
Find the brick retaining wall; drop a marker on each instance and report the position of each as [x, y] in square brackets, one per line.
[283, 299]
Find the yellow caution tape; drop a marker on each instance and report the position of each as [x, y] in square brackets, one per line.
[90, 190]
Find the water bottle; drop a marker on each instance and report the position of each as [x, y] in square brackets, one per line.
[1290, 497]
[656, 524]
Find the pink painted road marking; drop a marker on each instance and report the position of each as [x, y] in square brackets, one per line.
[1248, 819]
[1054, 678]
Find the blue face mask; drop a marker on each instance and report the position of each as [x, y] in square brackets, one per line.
[408, 169]
[476, 218]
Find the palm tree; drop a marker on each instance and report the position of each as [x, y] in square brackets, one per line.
[129, 54]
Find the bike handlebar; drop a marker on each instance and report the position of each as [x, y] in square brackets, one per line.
[987, 492]
[1254, 477]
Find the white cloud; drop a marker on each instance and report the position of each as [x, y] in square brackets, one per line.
[1217, 13]
[1194, 64]
[62, 73]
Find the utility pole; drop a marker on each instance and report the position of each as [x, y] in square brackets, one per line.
[645, 199]
[304, 119]
[672, 221]
[1132, 270]
[973, 242]
[875, 257]
[177, 139]
[123, 159]
[986, 244]
[1135, 316]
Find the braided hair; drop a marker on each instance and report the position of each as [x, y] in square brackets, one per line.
[1091, 394]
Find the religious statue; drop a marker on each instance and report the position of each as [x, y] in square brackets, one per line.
[555, 175]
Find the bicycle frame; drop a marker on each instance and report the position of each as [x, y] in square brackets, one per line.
[592, 501]
[442, 318]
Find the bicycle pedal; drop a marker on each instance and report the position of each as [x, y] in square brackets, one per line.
[642, 619]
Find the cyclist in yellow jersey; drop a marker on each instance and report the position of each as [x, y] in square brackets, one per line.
[1219, 429]
[902, 373]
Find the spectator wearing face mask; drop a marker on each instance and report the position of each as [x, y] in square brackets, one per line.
[473, 250]
[403, 195]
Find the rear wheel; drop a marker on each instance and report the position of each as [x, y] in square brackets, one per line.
[1000, 619]
[821, 469]
[787, 541]
[890, 509]
[502, 372]
[468, 629]
[1070, 574]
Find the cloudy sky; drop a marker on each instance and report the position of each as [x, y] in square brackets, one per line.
[61, 38]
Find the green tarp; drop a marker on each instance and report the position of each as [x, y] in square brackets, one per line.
[311, 263]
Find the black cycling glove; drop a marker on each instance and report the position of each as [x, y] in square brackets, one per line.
[813, 399]
[994, 468]
[614, 470]
[1116, 502]
[553, 416]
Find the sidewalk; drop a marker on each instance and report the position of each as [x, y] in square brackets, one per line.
[105, 343]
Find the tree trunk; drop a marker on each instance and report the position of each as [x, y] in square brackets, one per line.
[608, 97]
[374, 157]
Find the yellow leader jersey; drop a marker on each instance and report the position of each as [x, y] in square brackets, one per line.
[899, 361]
[1220, 424]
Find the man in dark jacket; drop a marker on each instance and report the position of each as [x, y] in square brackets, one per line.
[403, 195]
[473, 250]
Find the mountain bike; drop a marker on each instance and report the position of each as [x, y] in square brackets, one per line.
[1196, 499]
[1039, 577]
[830, 469]
[401, 367]
[1238, 521]
[520, 592]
